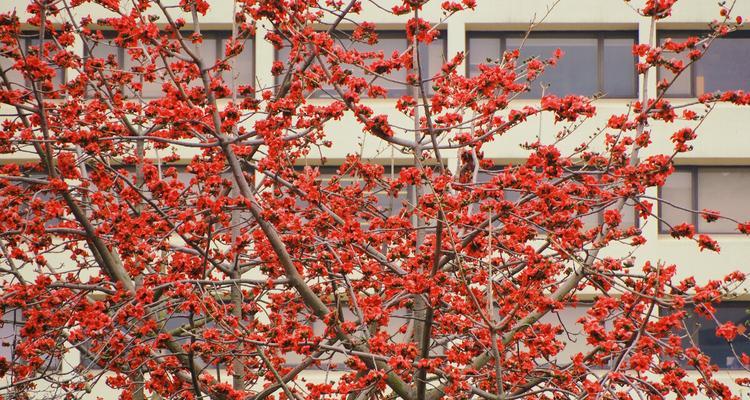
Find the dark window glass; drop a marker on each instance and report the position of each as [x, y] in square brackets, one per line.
[593, 218]
[15, 78]
[9, 333]
[618, 68]
[35, 208]
[212, 50]
[387, 204]
[723, 67]
[702, 333]
[677, 194]
[575, 73]
[398, 319]
[30, 44]
[722, 189]
[243, 67]
[432, 57]
[573, 337]
[483, 50]
[593, 62]
[484, 176]
[170, 323]
[33, 46]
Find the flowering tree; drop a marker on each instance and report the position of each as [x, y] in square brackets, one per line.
[173, 239]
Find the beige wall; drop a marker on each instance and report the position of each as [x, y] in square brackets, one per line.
[723, 138]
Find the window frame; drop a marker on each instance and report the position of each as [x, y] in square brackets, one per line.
[599, 36]
[340, 34]
[684, 34]
[692, 334]
[17, 321]
[221, 35]
[327, 171]
[599, 214]
[26, 39]
[695, 216]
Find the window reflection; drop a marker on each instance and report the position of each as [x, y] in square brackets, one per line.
[722, 189]
[390, 43]
[212, 49]
[723, 66]
[594, 62]
[702, 333]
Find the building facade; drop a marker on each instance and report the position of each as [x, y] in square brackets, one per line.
[597, 36]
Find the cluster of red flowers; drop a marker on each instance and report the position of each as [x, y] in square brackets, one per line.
[193, 238]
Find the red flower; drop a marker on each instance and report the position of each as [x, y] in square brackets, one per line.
[727, 330]
[683, 230]
[706, 242]
[710, 215]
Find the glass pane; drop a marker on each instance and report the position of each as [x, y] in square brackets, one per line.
[629, 217]
[319, 328]
[432, 58]
[328, 91]
[573, 336]
[703, 333]
[60, 73]
[575, 73]
[149, 89]
[389, 204]
[627, 213]
[481, 51]
[154, 89]
[8, 330]
[208, 49]
[107, 51]
[682, 87]
[394, 81]
[725, 190]
[242, 65]
[283, 55]
[103, 49]
[512, 195]
[724, 66]
[678, 191]
[619, 68]
[15, 77]
[591, 219]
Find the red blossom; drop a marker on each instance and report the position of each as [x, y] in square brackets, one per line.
[683, 230]
[166, 217]
[705, 242]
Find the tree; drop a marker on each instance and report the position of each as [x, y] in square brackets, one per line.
[243, 259]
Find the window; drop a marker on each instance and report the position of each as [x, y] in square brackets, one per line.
[594, 218]
[573, 337]
[594, 61]
[11, 326]
[212, 50]
[723, 189]
[9, 333]
[172, 322]
[702, 333]
[29, 43]
[432, 57]
[628, 214]
[37, 206]
[398, 319]
[387, 204]
[722, 67]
